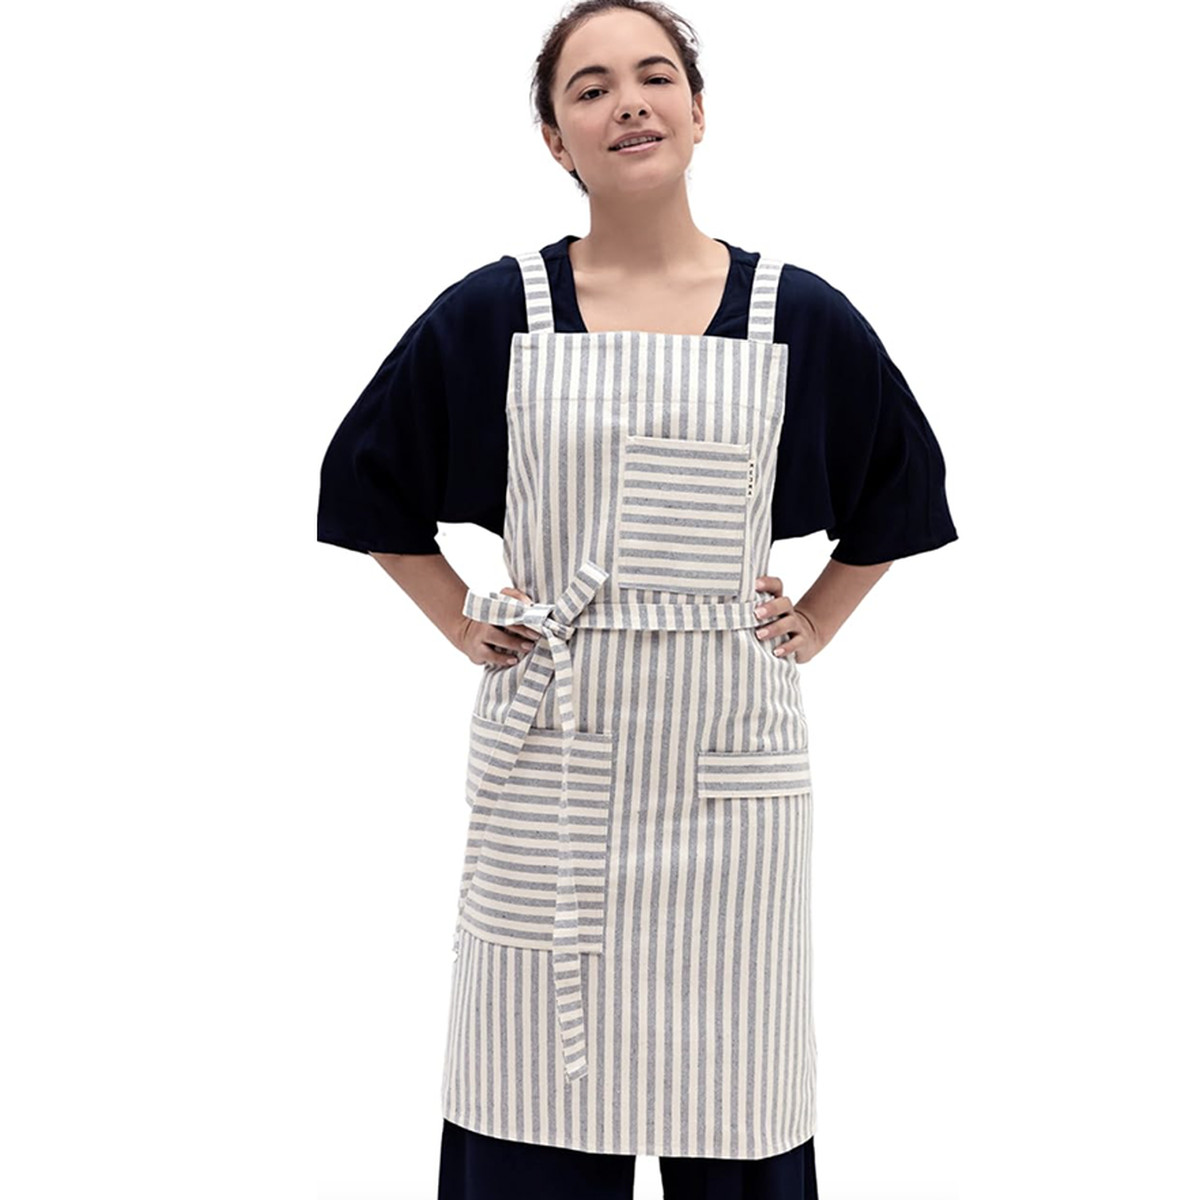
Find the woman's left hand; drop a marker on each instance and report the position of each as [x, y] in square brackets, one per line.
[803, 639]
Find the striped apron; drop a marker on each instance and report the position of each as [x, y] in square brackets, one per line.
[632, 951]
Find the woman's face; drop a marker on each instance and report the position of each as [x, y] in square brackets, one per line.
[594, 108]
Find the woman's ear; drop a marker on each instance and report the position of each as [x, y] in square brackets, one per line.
[554, 143]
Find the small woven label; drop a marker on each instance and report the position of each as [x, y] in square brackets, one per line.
[750, 477]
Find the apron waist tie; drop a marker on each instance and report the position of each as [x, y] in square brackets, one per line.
[557, 620]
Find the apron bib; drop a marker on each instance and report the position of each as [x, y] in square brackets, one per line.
[632, 950]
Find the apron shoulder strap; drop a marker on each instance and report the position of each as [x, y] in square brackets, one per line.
[538, 308]
[760, 326]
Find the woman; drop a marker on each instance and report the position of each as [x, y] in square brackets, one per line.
[639, 413]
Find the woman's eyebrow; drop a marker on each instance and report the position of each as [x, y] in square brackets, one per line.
[599, 70]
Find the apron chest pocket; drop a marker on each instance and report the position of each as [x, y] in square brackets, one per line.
[525, 846]
[682, 510]
[751, 774]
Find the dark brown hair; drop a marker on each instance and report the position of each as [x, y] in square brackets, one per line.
[682, 35]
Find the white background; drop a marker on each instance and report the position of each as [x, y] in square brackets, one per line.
[233, 816]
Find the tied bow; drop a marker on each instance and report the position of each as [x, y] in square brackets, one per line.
[553, 619]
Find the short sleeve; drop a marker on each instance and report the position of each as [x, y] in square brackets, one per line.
[857, 455]
[426, 439]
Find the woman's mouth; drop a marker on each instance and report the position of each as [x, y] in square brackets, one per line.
[637, 147]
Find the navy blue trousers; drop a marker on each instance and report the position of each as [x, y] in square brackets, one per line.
[475, 1166]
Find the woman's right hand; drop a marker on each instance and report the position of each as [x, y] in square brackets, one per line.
[504, 645]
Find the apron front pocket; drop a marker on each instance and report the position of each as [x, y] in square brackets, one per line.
[682, 511]
[752, 774]
[537, 855]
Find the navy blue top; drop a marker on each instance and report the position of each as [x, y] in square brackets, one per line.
[427, 440]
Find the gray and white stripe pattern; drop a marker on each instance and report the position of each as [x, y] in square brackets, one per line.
[633, 967]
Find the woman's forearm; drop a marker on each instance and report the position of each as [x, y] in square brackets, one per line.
[835, 594]
[434, 586]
